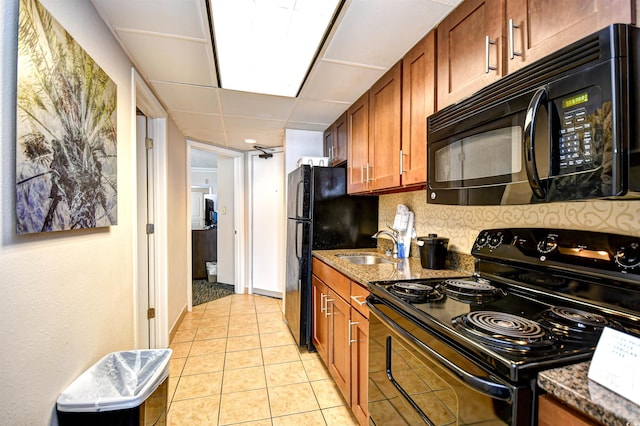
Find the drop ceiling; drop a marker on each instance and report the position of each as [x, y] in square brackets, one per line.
[169, 42]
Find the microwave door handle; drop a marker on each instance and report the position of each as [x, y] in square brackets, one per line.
[539, 98]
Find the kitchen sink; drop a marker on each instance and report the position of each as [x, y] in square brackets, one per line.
[364, 259]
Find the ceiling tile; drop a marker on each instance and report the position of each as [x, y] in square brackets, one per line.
[202, 124]
[265, 132]
[317, 112]
[306, 126]
[244, 104]
[380, 32]
[187, 98]
[178, 17]
[337, 82]
[171, 59]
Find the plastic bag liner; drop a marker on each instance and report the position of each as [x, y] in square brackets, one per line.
[120, 380]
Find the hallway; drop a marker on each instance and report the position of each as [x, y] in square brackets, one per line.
[234, 362]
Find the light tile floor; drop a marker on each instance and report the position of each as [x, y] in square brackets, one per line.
[234, 362]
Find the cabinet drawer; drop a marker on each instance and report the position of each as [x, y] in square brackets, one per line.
[358, 297]
[332, 278]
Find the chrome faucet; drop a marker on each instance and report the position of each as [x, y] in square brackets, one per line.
[394, 238]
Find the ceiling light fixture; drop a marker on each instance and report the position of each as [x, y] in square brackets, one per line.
[266, 46]
[251, 141]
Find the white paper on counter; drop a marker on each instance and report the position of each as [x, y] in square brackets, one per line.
[615, 364]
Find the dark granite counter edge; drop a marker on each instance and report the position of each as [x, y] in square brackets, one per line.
[572, 386]
[399, 269]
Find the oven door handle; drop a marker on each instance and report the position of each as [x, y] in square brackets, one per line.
[400, 388]
[539, 98]
[486, 386]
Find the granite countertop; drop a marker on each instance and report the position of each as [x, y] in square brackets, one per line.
[572, 386]
[399, 269]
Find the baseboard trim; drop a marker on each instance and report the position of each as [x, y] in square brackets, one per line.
[176, 325]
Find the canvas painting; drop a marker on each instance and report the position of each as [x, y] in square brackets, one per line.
[66, 131]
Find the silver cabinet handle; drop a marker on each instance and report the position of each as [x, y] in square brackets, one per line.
[488, 43]
[326, 310]
[323, 306]
[352, 323]
[369, 176]
[402, 154]
[356, 299]
[512, 47]
[362, 172]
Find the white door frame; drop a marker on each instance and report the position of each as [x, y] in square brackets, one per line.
[238, 209]
[145, 100]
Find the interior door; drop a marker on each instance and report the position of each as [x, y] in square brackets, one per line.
[146, 239]
[267, 224]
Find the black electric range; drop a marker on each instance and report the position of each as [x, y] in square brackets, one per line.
[539, 299]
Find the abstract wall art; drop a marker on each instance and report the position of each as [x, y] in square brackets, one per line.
[66, 131]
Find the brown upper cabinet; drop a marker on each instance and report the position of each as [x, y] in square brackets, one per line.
[536, 28]
[374, 129]
[358, 146]
[335, 141]
[483, 40]
[385, 126]
[418, 102]
[470, 49]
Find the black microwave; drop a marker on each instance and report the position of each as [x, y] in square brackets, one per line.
[563, 128]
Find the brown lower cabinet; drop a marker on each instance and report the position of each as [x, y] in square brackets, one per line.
[552, 412]
[359, 366]
[340, 333]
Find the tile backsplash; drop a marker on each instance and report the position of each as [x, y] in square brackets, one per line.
[461, 224]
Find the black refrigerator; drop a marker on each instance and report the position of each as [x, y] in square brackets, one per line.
[320, 215]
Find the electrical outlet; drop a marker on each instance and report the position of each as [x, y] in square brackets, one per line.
[224, 210]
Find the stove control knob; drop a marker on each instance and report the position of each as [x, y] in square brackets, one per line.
[548, 244]
[628, 257]
[495, 240]
[482, 240]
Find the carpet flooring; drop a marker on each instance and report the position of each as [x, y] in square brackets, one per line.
[203, 291]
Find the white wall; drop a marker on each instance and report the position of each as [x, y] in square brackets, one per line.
[301, 143]
[226, 226]
[177, 199]
[67, 297]
[204, 177]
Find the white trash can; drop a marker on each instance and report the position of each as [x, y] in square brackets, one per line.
[123, 388]
[212, 272]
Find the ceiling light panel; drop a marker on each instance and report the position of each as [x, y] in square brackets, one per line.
[266, 46]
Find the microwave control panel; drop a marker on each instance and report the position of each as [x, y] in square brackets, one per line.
[580, 115]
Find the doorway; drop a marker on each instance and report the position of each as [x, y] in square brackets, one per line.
[215, 212]
[151, 316]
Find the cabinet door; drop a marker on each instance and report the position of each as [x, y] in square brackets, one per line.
[327, 144]
[358, 145]
[340, 140]
[418, 102]
[359, 366]
[319, 318]
[543, 27]
[466, 61]
[551, 413]
[339, 355]
[385, 109]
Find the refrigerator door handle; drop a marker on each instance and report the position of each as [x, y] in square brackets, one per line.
[298, 245]
[298, 213]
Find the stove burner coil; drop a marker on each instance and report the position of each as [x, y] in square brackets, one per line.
[499, 323]
[574, 324]
[504, 331]
[471, 291]
[416, 292]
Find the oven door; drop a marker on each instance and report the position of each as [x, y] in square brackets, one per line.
[415, 378]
